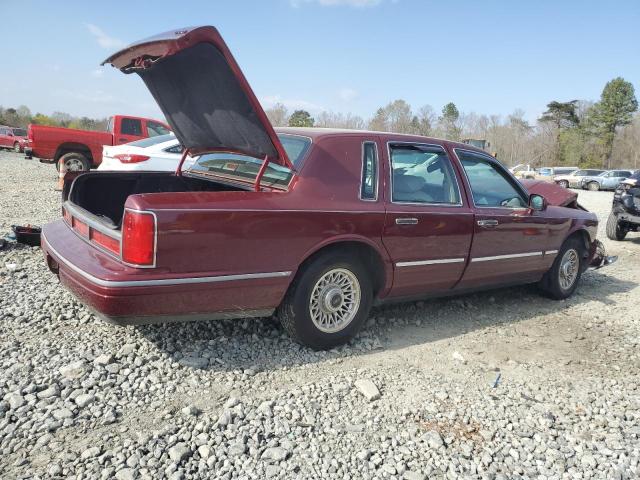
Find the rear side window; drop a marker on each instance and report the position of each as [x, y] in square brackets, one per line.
[369, 181]
[155, 129]
[422, 174]
[149, 142]
[131, 126]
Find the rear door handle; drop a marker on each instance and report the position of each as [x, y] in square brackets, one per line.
[406, 221]
[488, 223]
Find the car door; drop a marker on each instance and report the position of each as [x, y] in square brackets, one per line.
[130, 130]
[428, 226]
[510, 239]
[617, 176]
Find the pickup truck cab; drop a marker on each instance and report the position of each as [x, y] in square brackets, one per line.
[81, 150]
[314, 225]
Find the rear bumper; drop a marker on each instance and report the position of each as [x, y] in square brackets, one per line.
[127, 296]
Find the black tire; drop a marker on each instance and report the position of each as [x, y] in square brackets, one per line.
[614, 232]
[77, 161]
[16, 147]
[593, 186]
[563, 183]
[294, 312]
[551, 283]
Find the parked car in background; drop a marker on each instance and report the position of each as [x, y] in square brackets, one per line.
[158, 154]
[574, 179]
[315, 225]
[82, 149]
[553, 171]
[608, 180]
[13, 138]
[625, 211]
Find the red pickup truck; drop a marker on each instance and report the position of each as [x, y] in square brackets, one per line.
[82, 149]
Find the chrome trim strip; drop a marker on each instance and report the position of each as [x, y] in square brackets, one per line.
[430, 145]
[376, 175]
[505, 257]
[429, 262]
[551, 252]
[160, 282]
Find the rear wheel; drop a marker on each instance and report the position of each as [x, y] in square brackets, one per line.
[16, 147]
[614, 232]
[563, 183]
[593, 186]
[328, 302]
[74, 162]
[562, 278]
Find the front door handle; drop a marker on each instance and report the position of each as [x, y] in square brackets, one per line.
[406, 221]
[488, 223]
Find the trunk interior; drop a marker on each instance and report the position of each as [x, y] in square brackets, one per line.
[104, 193]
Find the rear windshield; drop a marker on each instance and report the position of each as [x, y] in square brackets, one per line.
[19, 132]
[148, 142]
[244, 167]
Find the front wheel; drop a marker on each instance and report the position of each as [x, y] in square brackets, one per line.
[593, 186]
[614, 232]
[328, 302]
[562, 278]
[563, 183]
[16, 147]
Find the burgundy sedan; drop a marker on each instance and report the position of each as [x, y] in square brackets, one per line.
[314, 225]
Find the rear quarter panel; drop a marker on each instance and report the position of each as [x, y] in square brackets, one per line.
[46, 141]
[222, 233]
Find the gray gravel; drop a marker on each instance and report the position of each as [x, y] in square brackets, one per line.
[499, 385]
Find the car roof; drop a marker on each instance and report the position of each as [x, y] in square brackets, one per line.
[316, 133]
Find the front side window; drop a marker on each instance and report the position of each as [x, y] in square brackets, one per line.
[369, 182]
[131, 126]
[422, 174]
[243, 167]
[155, 129]
[490, 184]
[19, 132]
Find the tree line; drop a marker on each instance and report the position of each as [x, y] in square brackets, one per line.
[581, 133]
[577, 133]
[22, 116]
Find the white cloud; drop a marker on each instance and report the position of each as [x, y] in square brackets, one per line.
[98, 73]
[347, 94]
[104, 40]
[338, 3]
[269, 101]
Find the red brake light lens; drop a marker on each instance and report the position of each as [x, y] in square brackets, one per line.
[139, 238]
[105, 241]
[131, 158]
[81, 227]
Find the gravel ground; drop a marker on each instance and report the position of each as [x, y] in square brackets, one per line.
[499, 385]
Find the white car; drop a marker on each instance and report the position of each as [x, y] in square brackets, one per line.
[158, 154]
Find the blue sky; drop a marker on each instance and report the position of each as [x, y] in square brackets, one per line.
[342, 55]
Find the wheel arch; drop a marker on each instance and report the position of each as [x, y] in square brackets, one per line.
[372, 256]
[73, 147]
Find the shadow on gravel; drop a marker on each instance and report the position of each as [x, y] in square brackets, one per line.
[262, 345]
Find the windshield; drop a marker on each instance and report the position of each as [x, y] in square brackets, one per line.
[148, 142]
[236, 166]
[19, 132]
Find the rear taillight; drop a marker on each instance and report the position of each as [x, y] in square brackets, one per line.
[139, 238]
[80, 227]
[105, 241]
[130, 158]
[66, 215]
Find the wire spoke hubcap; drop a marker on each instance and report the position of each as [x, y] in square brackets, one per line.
[569, 266]
[335, 300]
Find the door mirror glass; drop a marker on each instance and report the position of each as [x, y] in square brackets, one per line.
[537, 202]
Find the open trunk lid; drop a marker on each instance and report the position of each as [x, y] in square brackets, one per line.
[202, 93]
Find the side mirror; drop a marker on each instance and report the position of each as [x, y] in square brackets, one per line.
[537, 202]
